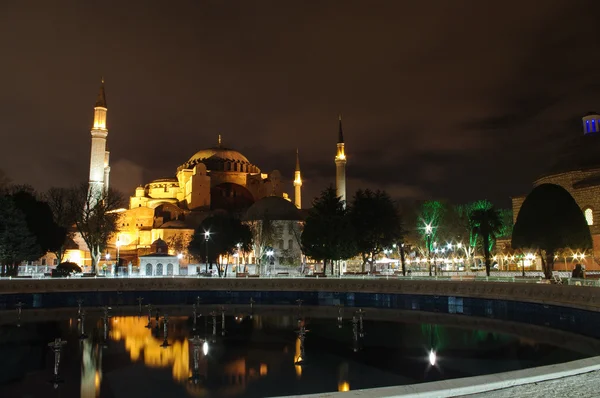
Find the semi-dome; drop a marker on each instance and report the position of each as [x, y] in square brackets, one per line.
[159, 246]
[159, 180]
[273, 208]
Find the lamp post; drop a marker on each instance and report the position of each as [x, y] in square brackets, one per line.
[118, 244]
[237, 269]
[387, 253]
[435, 252]
[206, 238]
[428, 231]
[106, 257]
[269, 255]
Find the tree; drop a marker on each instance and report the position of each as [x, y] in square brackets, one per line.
[328, 233]
[464, 232]
[486, 222]
[49, 235]
[263, 233]
[96, 217]
[226, 233]
[179, 243]
[17, 243]
[550, 220]
[376, 222]
[58, 201]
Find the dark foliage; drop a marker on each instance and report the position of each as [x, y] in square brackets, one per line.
[65, 269]
[328, 233]
[486, 222]
[49, 235]
[550, 220]
[226, 232]
[376, 221]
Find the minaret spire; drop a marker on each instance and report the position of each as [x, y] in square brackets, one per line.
[101, 99]
[297, 183]
[340, 165]
[99, 157]
[219, 142]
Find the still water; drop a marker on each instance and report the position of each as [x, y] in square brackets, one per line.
[230, 352]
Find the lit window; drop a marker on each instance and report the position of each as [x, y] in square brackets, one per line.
[589, 216]
[593, 125]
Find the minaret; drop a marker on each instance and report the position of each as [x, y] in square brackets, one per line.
[297, 183]
[340, 166]
[99, 168]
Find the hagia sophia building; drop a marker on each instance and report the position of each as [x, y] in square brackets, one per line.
[168, 210]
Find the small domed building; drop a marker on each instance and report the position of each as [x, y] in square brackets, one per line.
[577, 169]
[276, 225]
[159, 262]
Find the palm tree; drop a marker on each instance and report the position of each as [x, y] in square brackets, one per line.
[487, 223]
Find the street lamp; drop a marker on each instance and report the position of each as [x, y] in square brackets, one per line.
[239, 245]
[206, 238]
[118, 252]
[269, 255]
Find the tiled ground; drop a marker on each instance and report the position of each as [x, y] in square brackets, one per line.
[586, 385]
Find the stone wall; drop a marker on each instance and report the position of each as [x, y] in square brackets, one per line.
[569, 296]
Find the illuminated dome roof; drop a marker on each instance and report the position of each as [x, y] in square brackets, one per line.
[219, 153]
[273, 208]
[220, 158]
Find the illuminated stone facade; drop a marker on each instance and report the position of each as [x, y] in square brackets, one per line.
[213, 179]
[577, 170]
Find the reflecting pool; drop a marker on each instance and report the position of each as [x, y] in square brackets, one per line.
[237, 351]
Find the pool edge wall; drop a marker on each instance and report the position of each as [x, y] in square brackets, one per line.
[580, 297]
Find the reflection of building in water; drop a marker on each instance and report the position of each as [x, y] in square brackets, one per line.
[343, 371]
[298, 357]
[227, 378]
[139, 341]
[91, 370]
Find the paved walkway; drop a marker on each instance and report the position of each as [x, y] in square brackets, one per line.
[586, 385]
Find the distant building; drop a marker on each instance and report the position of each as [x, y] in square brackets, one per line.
[577, 169]
[168, 210]
[211, 180]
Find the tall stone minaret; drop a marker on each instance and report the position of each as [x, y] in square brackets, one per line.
[297, 183]
[99, 157]
[340, 166]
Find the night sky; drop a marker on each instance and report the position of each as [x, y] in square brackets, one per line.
[461, 100]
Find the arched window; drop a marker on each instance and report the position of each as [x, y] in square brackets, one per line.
[148, 269]
[159, 269]
[589, 216]
[169, 269]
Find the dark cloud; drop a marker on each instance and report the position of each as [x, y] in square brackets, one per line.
[460, 100]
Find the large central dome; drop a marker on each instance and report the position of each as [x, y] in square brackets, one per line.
[218, 153]
[220, 158]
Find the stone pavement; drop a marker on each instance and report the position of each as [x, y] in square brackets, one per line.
[585, 385]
